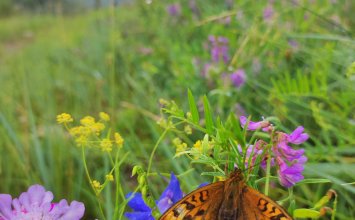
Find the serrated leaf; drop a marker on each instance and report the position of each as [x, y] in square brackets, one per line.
[193, 107]
[208, 115]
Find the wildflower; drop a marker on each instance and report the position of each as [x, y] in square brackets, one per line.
[238, 78]
[109, 177]
[219, 49]
[96, 128]
[174, 10]
[265, 125]
[141, 210]
[82, 141]
[96, 184]
[104, 116]
[188, 129]
[198, 145]
[64, 118]
[74, 131]
[118, 139]
[289, 175]
[87, 121]
[36, 203]
[290, 162]
[268, 13]
[297, 136]
[106, 145]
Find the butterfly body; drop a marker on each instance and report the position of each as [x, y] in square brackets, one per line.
[231, 199]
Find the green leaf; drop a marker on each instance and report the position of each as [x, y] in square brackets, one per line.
[313, 181]
[208, 115]
[193, 107]
[306, 213]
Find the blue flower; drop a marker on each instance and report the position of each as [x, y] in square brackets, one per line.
[141, 210]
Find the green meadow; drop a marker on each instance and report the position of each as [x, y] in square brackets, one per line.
[152, 70]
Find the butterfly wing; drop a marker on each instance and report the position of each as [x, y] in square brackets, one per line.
[202, 203]
[257, 206]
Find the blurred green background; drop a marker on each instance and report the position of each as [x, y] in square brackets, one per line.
[121, 57]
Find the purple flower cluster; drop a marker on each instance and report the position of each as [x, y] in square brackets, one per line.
[37, 204]
[219, 49]
[170, 196]
[238, 78]
[174, 10]
[290, 162]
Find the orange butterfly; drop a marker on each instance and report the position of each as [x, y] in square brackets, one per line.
[231, 199]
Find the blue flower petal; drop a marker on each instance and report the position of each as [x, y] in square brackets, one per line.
[137, 203]
[174, 189]
[171, 194]
[139, 215]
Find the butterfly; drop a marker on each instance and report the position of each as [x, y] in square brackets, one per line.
[231, 199]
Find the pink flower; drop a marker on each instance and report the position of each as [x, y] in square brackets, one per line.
[252, 126]
[36, 203]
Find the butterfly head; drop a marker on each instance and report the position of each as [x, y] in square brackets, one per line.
[237, 175]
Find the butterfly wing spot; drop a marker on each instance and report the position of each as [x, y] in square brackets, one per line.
[189, 206]
[203, 196]
[262, 205]
[187, 217]
[270, 210]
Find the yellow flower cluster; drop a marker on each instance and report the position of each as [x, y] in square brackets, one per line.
[64, 118]
[90, 130]
[180, 146]
[109, 177]
[96, 184]
[118, 139]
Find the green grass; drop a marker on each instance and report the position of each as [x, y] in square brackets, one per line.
[91, 62]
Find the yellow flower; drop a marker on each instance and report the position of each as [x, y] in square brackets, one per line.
[87, 121]
[74, 131]
[198, 145]
[181, 148]
[106, 145]
[97, 127]
[104, 116]
[82, 141]
[188, 129]
[118, 139]
[64, 118]
[109, 177]
[177, 141]
[96, 184]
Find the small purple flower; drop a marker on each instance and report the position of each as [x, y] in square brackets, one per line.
[174, 9]
[290, 175]
[289, 161]
[238, 78]
[252, 126]
[219, 49]
[297, 136]
[293, 44]
[268, 13]
[36, 203]
[171, 195]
